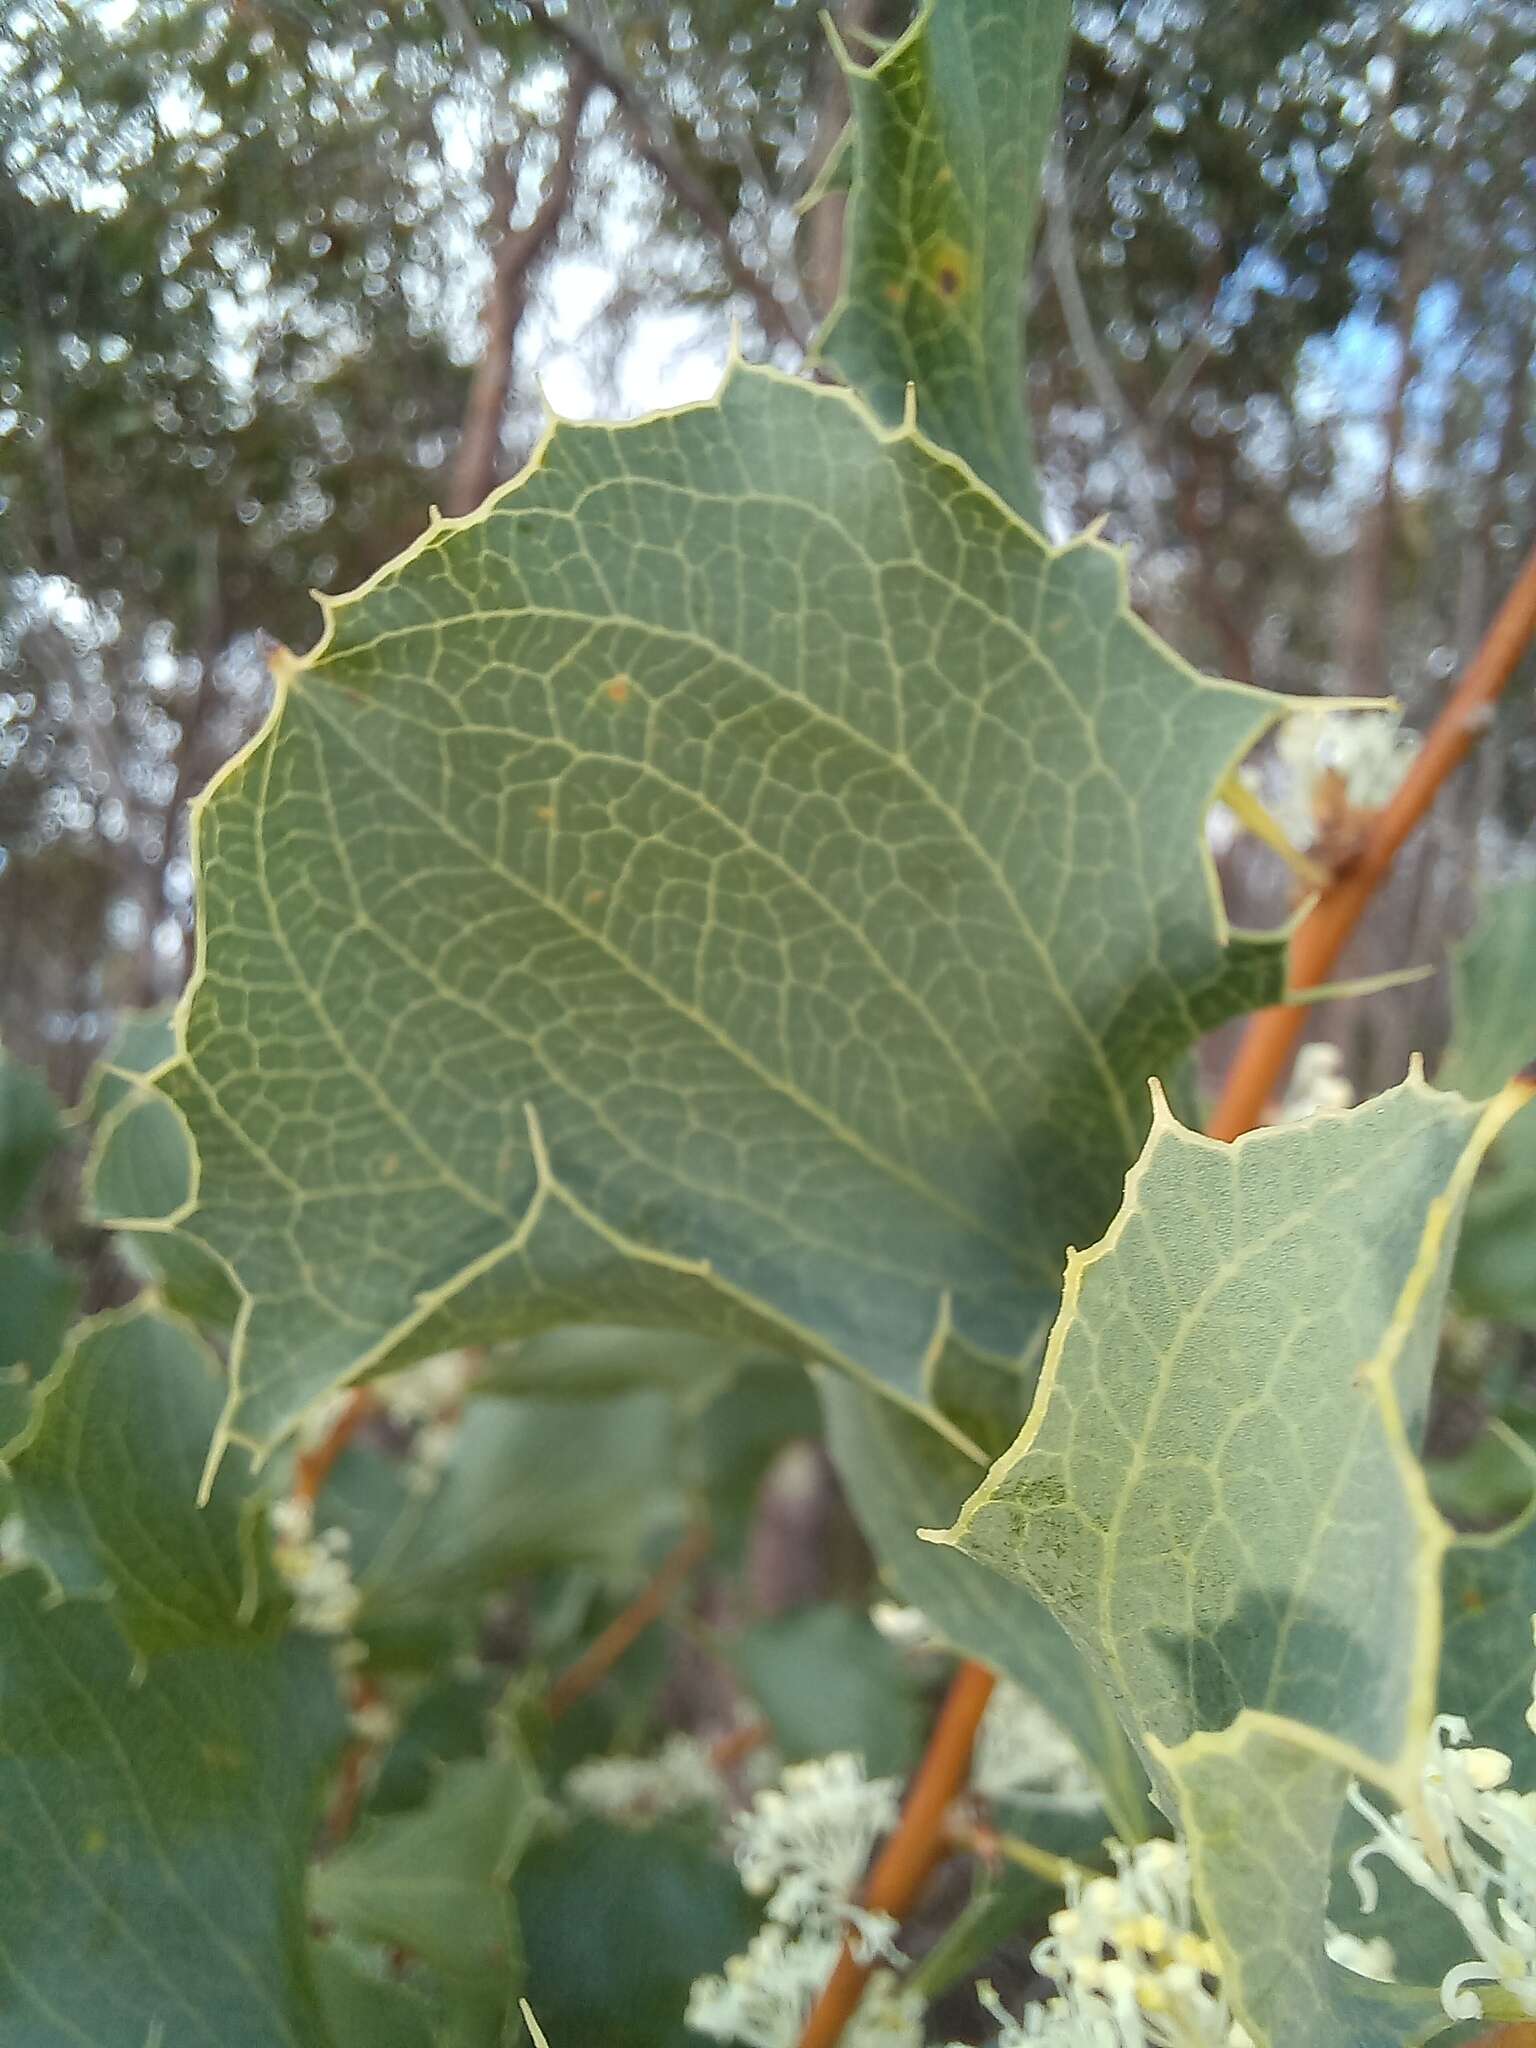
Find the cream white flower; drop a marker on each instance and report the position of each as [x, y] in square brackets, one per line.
[1373, 1958]
[1131, 1968]
[1022, 1753]
[908, 1628]
[1368, 751]
[425, 1392]
[636, 1788]
[315, 1569]
[765, 1996]
[1318, 1082]
[1489, 1838]
[807, 1841]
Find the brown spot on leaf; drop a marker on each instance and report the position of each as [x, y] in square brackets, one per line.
[617, 691]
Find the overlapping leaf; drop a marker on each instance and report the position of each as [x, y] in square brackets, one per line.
[951, 127]
[1216, 1494]
[740, 882]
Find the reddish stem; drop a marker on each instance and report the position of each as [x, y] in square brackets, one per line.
[1265, 1052]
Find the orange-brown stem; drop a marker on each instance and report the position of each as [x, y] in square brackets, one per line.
[903, 1865]
[1265, 1052]
[600, 1656]
[312, 1468]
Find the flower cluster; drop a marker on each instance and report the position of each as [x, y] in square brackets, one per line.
[766, 1996]
[1487, 1874]
[805, 1845]
[1131, 1969]
[1362, 754]
[1021, 1753]
[315, 1568]
[679, 1778]
[429, 1399]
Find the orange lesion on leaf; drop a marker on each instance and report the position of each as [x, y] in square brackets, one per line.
[545, 814]
[617, 691]
[947, 268]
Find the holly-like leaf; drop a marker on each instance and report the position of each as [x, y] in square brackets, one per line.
[951, 128]
[1216, 1493]
[900, 1475]
[740, 881]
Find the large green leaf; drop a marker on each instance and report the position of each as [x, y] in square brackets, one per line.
[951, 128]
[1493, 1036]
[1216, 1494]
[901, 1475]
[740, 881]
[162, 1743]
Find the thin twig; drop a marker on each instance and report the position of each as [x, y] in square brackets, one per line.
[518, 255]
[313, 1467]
[903, 1865]
[679, 177]
[1265, 1052]
[648, 1605]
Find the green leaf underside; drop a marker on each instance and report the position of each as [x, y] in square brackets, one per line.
[813, 851]
[1217, 1495]
[951, 128]
[156, 1826]
[1214, 1492]
[899, 1475]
